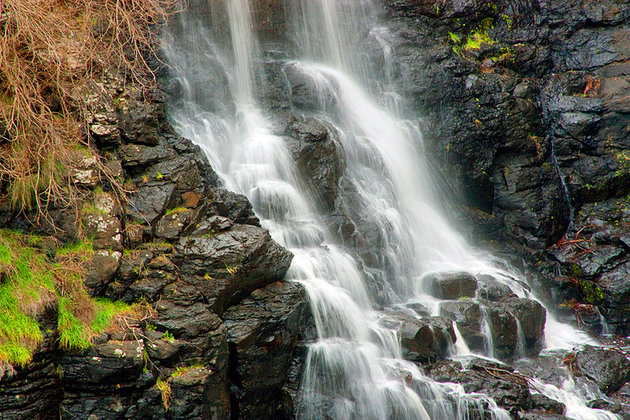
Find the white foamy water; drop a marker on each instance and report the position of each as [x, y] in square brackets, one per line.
[355, 369]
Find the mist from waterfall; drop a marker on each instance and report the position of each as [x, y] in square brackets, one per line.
[355, 368]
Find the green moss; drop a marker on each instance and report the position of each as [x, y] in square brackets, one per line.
[175, 210]
[475, 38]
[479, 36]
[592, 293]
[91, 210]
[575, 270]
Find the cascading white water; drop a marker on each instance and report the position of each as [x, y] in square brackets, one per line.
[355, 368]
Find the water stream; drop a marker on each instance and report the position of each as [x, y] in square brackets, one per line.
[355, 368]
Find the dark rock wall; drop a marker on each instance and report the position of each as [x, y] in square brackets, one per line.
[531, 127]
[195, 252]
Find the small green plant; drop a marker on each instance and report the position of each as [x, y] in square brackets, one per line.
[159, 176]
[150, 327]
[208, 277]
[455, 38]
[165, 388]
[232, 270]
[180, 370]
[168, 336]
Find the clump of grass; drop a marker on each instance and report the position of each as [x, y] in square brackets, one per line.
[175, 211]
[32, 281]
[165, 388]
[82, 250]
[49, 53]
[180, 370]
[27, 286]
[164, 385]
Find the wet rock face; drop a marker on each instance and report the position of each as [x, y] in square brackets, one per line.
[238, 261]
[515, 325]
[508, 388]
[609, 369]
[318, 157]
[531, 126]
[422, 340]
[452, 285]
[261, 336]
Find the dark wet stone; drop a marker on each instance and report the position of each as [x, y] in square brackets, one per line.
[262, 334]
[610, 369]
[318, 157]
[467, 315]
[425, 339]
[232, 263]
[452, 285]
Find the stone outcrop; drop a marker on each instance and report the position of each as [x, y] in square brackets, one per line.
[195, 252]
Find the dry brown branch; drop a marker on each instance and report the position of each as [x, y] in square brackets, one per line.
[503, 374]
[49, 51]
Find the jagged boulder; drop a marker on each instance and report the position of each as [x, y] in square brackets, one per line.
[467, 314]
[227, 266]
[262, 334]
[319, 157]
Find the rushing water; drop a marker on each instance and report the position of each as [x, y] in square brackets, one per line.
[355, 368]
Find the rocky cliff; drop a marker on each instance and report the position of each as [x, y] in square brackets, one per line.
[525, 105]
[223, 326]
[525, 111]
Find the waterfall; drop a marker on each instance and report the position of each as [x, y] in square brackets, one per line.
[355, 368]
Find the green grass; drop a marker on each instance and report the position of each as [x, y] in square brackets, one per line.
[26, 286]
[33, 281]
[82, 249]
[73, 334]
[165, 388]
[106, 310]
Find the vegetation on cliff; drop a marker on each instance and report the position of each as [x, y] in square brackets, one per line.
[33, 283]
[51, 53]
[53, 57]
